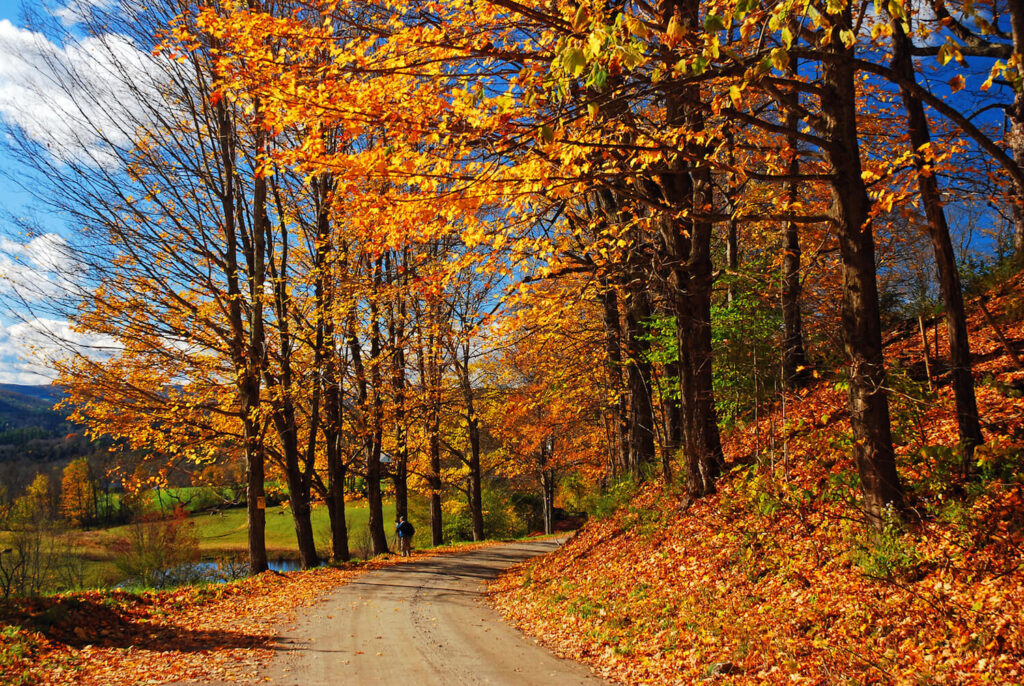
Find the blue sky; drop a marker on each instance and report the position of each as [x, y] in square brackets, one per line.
[76, 121]
[32, 262]
[12, 199]
[40, 264]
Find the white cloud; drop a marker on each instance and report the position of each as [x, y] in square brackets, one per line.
[81, 100]
[42, 268]
[77, 11]
[36, 275]
[28, 349]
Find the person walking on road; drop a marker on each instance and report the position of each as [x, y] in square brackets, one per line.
[404, 530]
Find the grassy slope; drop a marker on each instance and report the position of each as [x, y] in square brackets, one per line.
[776, 578]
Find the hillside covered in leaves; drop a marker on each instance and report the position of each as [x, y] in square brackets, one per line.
[778, 577]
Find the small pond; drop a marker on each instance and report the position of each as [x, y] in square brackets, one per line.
[209, 572]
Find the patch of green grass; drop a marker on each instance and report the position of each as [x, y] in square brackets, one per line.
[15, 645]
[225, 535]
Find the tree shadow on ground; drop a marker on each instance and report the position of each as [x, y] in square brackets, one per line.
[120, 621]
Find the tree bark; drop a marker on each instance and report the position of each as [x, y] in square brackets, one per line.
[1015, 136]
[619, 445]
[638, 380]
[968, 423]
[795, 373]
[686, 186]
[282, 389]
[335, 468]
[430, 380]
[862, 331]
[674, 419]
[327, 359]
[397, 337]
[247, 343]
[374, 495]
[547, 483]
[401, 457]
[434, 477]
[476, 506]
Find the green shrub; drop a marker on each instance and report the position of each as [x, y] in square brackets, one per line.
[505, 515]
[159, 552]
[617, 495]
[456, 523]
[887, 553]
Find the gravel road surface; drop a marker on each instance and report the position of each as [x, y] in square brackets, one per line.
[420, 624]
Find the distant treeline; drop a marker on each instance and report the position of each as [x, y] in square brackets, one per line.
[34, 437]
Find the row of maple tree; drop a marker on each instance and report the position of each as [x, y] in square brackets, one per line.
[375, 236]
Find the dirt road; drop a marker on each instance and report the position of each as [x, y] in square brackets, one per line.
[420, 624]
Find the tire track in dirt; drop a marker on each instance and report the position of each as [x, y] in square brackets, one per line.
[419, 624]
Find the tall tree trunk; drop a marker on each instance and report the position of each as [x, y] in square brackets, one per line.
[619, 445]
[247, 335]
[397, 336]
[672, 410]
[862, 331]
[703, 442]
[282, 389]
[732, 240]
[547, 483]
[1015, 136]
[638, 379]
[430, 379]
[640, 453]
[687, 187]
[475, 485]
[255, 494]
[795, 373]
[476, 507]
[949, 279]
[374, 495]
[335, 468]
[298, 490]
[434, 474]
[674, 420]
[370, 438]
[298, 486]
[327, 359]
[401, 457]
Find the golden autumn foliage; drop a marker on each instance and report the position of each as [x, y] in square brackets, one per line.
[428, 245]
[78, 492]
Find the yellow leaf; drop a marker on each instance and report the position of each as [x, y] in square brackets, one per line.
[736, 95]
[780, 59]
[580, 20]
[674, 31]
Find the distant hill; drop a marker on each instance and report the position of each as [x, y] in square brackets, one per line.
[31, 429]
[50, 393]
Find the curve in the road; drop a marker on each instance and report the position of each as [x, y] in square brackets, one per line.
[420, 624]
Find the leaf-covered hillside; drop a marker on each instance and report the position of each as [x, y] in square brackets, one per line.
[777, 577]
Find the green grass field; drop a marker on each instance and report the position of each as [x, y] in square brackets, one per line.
[224, 535]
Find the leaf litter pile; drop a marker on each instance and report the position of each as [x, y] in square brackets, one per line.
[777, 578]
[218, 633]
